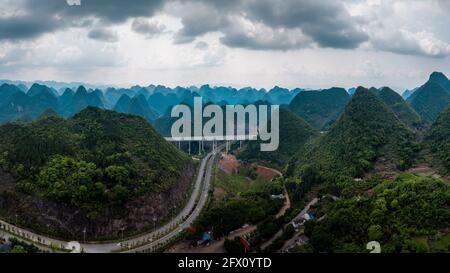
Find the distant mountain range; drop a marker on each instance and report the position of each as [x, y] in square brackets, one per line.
[152, 102]
[319, 108]
[70, 161]
[60, 86]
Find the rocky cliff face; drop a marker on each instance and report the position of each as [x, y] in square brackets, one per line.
[59, 220]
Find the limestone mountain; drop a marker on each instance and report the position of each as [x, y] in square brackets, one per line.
[93, 166]
[37, 89]
[366, 132]
[398, 105]
[81, 100]
[18, 105]
[137, 105]
[294, 133]
[431, 98]
[162, 102]
[439, 140]
[8, 90]
[320, 108]
[65, 99]
[441, 79]
[407, 93]
[123, 104]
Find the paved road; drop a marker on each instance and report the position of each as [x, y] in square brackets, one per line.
[218, 246]
[298, 217]
[146, 241]
[191, 218]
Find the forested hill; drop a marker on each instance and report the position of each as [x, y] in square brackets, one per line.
[399, 106]
[94, 162]
[320, 108]
[365, 131]
[294, 133]
[431, 98]
[439, 141]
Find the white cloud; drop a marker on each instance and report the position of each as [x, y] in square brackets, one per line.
[73, 2]
[244, 33]
[68, 54]
[405, 42]
[245, 42]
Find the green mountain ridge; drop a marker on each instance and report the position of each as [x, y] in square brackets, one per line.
[294, 133]
[438, 140]
[320, 108]
[95, 163]
[431, 98]
[356, 140]
[398, 105]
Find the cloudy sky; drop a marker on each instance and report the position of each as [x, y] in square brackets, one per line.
[260, 43]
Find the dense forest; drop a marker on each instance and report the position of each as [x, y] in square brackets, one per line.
[431, 98]
[96, 161]
[366, 131]
[386, 166]
[404, 112]
[320, 108]
[409, 214]
[294, 133]
[438, 141]
[385, 160]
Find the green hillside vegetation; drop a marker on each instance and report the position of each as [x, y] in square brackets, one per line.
[367, 130]
[320, 108]
[409, 214]
[430, 100]
[294, 133]
[398, 105]
[92, 161]
[244, 201]
[441, 79]
[439, 140]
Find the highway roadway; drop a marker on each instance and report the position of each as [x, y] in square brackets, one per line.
[146, 242]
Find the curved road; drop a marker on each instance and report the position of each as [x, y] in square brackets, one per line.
[296, 218]
[145, 242]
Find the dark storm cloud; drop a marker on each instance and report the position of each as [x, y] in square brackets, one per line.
[250, 24]
[199, 18]
[326, 22]
[147, 28]
[114, 11]
[23, 27]
[103, 34]
[43, 16]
